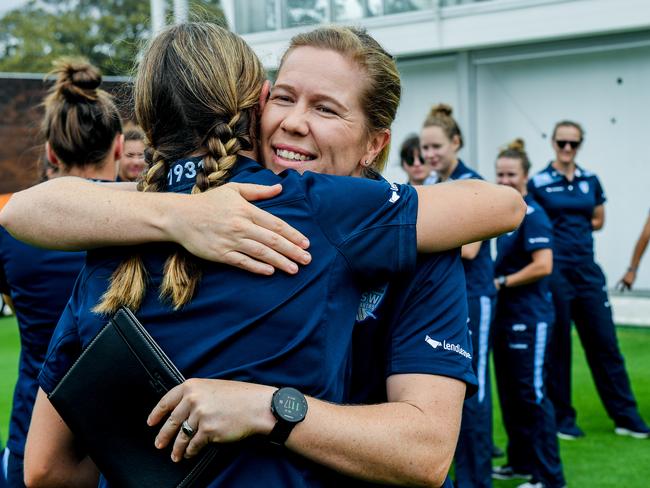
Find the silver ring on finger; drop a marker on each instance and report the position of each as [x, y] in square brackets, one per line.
[187, 429]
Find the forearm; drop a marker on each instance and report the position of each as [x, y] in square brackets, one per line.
[529, 274]
[73, 214]
[639, 250]
[394, 443]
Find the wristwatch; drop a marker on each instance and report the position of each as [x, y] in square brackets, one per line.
[289, 407]
[503, 281]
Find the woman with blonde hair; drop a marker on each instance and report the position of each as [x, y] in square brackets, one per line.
[440, 141]
[285, 346]
[522, 330]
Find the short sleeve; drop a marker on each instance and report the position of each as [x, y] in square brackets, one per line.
[537, 230]
[600, 192]
[371, 223]
[63, 351]
[429, 333]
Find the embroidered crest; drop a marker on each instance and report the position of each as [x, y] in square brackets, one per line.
[370, 300]
[584, 186]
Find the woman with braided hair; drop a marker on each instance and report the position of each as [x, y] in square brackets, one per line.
[296, 329]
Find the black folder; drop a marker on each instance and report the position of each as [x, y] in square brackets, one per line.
[105, 399]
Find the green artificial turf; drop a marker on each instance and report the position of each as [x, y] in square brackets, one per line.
[599, 460]
[9, 350]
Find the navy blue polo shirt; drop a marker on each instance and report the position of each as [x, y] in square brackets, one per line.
[514, 251]
[39, 282]
[479, 272]
[283, 330]
[570, 206]
[414, 324]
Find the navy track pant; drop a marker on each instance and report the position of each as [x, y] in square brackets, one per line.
[473, 460]
[520, 353]
[580, 294]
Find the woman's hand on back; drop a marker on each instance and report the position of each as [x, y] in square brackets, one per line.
[222, 225]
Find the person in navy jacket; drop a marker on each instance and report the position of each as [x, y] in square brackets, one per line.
[83, 134]
[348, 235]
[574, 200]
[440, 141]
[522, 330]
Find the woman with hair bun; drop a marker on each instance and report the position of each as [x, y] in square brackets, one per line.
[440, 141]
[575, 202]
[83, 137]
[522, 330]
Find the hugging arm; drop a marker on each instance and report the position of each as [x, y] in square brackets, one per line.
[364, 441]
[49, 439]
[220, 225]
[459, 212]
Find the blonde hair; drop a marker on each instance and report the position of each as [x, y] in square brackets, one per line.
[441, 116]
[569, 123]
[516, 149]
[81, 120]
[197, 89]
[381, 94]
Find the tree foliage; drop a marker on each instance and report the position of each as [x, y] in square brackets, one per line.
[109, 33]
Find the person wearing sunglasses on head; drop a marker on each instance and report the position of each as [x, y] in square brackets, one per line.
[574, 200]
[417, 169]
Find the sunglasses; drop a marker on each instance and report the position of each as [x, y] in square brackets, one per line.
[562, 144]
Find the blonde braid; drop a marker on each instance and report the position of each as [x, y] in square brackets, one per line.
[129, 280]
[182, 274]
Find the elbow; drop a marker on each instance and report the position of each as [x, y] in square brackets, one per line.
[38, 476]
[435, 476]
[547, 268]
[6, 215]
[516, 209]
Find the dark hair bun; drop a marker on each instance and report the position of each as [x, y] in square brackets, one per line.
[441, 109]
[77, 80]
[517, 145]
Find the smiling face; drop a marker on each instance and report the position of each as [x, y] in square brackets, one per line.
[313, 120]
[565, 153]
[510, 172]
[439, 151]
[132, 162]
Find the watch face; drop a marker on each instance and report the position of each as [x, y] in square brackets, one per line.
[289, 404]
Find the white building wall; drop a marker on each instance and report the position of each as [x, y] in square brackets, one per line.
[514, 67]
[608, 94]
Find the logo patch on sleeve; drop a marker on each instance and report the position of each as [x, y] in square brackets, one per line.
[370, 300]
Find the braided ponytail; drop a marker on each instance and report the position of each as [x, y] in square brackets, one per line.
[196, 91]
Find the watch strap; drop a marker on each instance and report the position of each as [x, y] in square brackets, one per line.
[280, 432]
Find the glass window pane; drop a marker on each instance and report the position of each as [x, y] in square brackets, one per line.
[346, 10]
[256, 15]
[399, 6]
[306, 12]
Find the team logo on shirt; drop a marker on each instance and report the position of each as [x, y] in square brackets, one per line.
[370, 300]
[584, 186]
[447, 346]
[394, 196]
